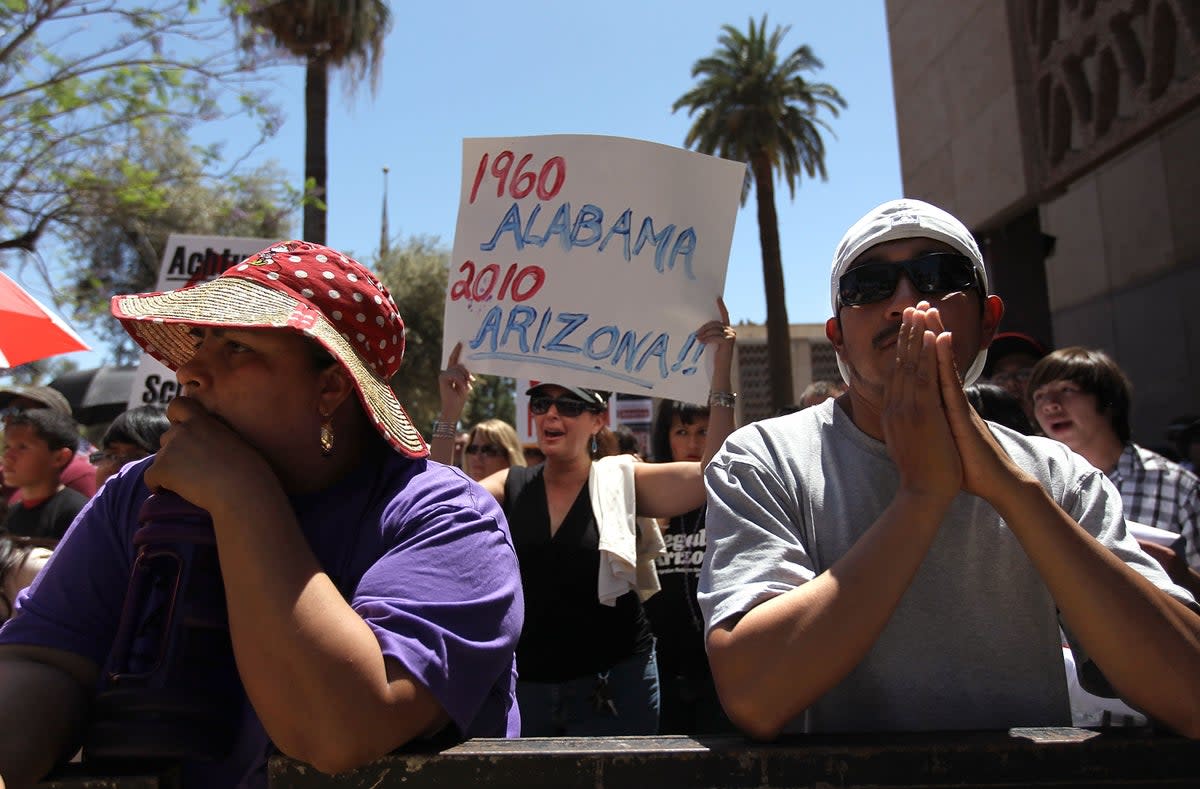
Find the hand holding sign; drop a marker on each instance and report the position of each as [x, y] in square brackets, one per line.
[721, 336]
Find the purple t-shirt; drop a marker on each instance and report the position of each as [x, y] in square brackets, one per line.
[421, 552]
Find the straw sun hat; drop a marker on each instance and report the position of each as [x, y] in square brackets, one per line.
[308, 288]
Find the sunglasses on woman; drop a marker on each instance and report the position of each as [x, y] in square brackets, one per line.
[487, 450]
[934, 274]
[566, 406]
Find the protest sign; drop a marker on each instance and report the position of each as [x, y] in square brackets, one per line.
[635, 411]
[187, 260]
[590, 260]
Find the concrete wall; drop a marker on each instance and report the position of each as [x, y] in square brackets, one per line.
[1125, 274]
[956, 106]
[750, 370]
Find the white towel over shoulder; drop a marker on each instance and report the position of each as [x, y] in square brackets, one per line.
[628, 544]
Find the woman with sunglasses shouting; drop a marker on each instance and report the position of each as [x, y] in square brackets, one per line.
[585, 660]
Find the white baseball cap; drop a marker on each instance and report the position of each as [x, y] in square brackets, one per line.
[906, 218]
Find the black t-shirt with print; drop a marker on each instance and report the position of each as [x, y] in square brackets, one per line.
[568, 633]
[48, 519]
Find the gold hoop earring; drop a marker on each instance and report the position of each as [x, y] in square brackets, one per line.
[326, 437]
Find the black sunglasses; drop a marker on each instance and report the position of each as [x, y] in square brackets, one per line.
[488, 450]
[1021, 376]
[931, 274]
[96, 458]
[566, 406]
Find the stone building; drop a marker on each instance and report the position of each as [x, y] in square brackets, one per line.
[813, 359]
[1066, 134]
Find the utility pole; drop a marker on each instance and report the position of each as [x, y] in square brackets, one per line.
[383, 231]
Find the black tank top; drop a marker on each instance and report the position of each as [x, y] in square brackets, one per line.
[567, 632]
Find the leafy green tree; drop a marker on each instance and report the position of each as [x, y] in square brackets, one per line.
[121, 242]
[416, 273]
[491, 398]
[752, 104]
[78, 76]
[324, 34]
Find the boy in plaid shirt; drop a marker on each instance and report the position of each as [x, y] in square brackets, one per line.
[1081, 397]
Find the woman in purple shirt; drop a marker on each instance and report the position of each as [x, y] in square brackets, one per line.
[373, 598]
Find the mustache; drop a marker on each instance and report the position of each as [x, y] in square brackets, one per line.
[885, 335]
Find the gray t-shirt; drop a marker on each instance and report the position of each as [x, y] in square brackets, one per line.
[974, 642]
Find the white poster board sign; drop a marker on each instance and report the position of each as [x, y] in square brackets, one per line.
[591, 261]
[187, 260]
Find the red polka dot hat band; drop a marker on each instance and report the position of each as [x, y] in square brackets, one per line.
[306, 287]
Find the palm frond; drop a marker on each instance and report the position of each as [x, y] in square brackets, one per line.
[347, 34]
[749, 100]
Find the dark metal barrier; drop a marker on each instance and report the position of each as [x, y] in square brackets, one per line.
[135, 776]
[1017, 758]
[1021, 757]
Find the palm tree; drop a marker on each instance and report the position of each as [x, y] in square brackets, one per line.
[325, 33]
[755, 106]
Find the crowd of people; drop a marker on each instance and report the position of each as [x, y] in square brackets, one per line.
[947, 538]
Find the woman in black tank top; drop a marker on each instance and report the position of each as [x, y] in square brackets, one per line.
[585, 667]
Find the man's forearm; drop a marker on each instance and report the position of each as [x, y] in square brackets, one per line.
[787, 652]
[1145, 641]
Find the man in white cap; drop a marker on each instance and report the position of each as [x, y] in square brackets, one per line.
[889, 561]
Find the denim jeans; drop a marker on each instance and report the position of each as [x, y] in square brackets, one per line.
[622, 700]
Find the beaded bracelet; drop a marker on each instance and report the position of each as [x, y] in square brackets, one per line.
[722, 399]
[444, 429]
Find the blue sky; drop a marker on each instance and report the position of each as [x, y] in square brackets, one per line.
[477, 68]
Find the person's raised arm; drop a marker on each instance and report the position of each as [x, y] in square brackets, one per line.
[721, 337]
[1146, 642]
[44, 695]
[778, 658]
[665, 490]
[454, 387]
